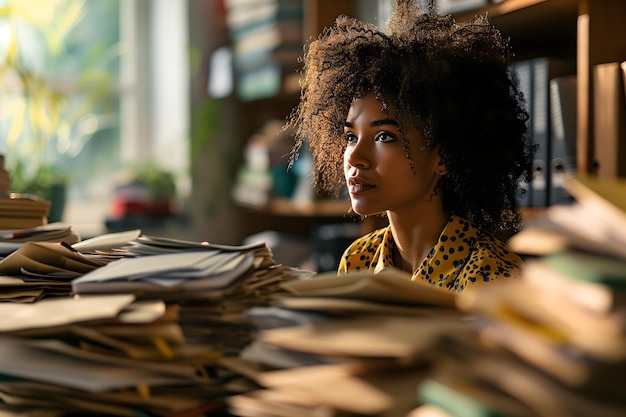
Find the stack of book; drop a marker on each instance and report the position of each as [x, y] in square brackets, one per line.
[353, 345]
[265, 173]
[554, 342]
[22, 211]
[268, 38]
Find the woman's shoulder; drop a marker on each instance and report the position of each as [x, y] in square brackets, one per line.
[361, 254]
[489, 256]
[492, 259]
[367, 241]
[499, 249]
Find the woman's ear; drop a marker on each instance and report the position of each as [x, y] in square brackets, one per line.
[441, 168]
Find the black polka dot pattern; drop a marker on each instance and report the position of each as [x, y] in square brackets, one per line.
[463, 256]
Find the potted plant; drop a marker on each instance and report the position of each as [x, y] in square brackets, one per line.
[145, 190]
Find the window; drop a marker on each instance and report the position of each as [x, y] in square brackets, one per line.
[90, 88]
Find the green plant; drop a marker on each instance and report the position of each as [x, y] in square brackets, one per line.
[160, 183]
[41, 182]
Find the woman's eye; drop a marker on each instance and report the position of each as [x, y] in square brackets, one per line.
[385, 137]
[350, 137]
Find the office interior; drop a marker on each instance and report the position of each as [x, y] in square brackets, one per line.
[157, 86]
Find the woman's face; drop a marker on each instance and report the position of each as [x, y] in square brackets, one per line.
[376, 167]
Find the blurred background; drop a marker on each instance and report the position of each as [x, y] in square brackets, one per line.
[165, 115]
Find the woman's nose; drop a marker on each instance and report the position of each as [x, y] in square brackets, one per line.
[357, 155]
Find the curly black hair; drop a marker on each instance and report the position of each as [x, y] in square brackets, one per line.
[452, 81]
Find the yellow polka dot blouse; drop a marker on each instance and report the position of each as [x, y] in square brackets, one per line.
[463, 255]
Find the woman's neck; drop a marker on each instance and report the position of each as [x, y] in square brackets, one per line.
[415, 236]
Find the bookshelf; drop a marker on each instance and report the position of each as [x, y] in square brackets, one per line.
[586, 30]
[279, 214]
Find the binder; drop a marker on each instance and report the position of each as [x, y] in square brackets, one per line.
[544, 69]
[539, 132]
[609, 125]
[563, 166]
[524, 75]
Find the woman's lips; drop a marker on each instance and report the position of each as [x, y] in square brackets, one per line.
[356, 185]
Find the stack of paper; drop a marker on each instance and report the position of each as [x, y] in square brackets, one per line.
[106, 355]
[357, 344]
[176, 272]
[146, 332]
[22, 211]
[41, 269]
[156, 245]
[12, 239]
[554, 342]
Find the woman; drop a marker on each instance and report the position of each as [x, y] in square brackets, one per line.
[429, 125]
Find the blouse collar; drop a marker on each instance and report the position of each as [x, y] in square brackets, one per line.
[457, 238]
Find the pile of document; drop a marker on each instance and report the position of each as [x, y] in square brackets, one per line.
[552, 343]
[13, 239]
[351, 345]
[144, 329]
[41, 262]
[105, 354]
[212, 284]
[42, 269]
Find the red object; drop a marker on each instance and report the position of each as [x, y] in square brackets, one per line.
[134, 200]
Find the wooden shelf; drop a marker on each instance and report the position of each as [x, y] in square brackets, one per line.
[520, 10]
[534, 27]
[321, 208]
[295, 219]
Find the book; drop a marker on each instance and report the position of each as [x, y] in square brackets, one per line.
[245, 15]
[456, 6]
[609, 123]
[22, 211]
[563, 117]
[456, 396]
[605, 200]
[485, 375]
[596, 222]
[267, 37]
[594, 296]
[589, 267]
[558, 321]
[554, 341]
